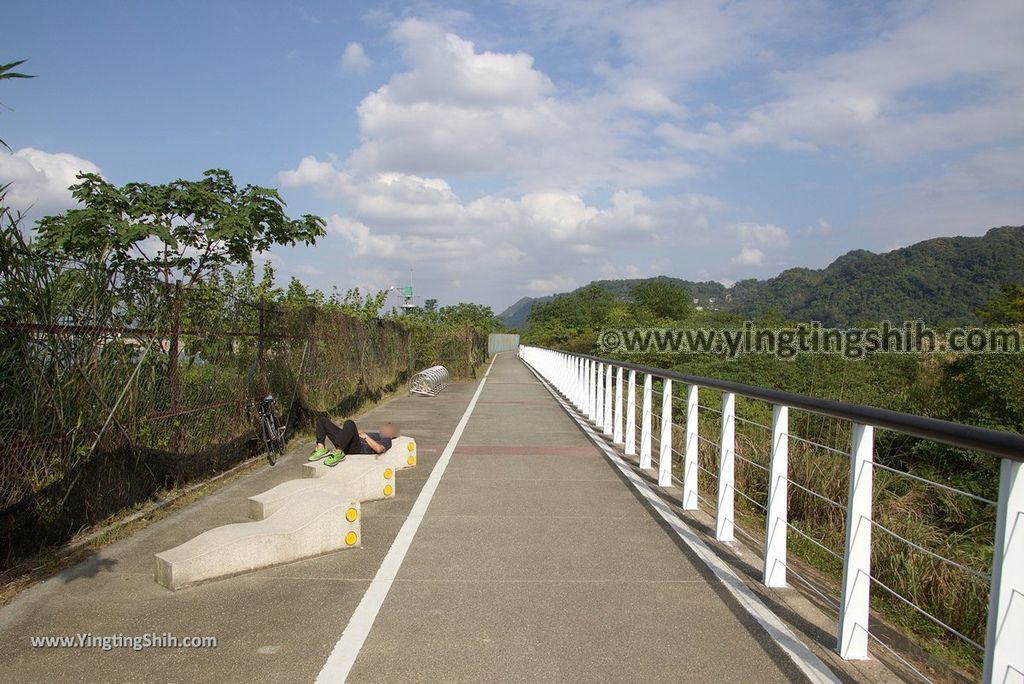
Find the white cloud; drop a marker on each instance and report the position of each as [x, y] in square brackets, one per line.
[966, 197]
[755, 239]
[556, 283]
[611, 271]
[40, 180]
[395, 218]
[461, 110]
[896, 95]
[406, 206]
[354, 59]
[749, 256]
[576, 174]
[762, 234]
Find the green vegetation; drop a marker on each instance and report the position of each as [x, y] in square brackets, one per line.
[942, 281]
[978, 389]
[134, 331]
[184, 230]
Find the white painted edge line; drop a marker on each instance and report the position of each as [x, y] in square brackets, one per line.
[343, 655]
[809, 664]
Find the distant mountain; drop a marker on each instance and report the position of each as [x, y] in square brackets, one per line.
[943, 280]
[515, 316]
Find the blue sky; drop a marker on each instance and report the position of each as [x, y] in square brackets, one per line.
[527, 147]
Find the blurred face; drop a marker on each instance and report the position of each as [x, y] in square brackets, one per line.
[389, 430]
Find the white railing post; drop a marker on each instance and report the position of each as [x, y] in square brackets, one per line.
[579, 383]
[725, 520]
[586, 387]
[599, 420]
[591, 389]
[854, 604]
[665, 450]
[574, 376]
[617, 419]
[645, 424]
[592, 413]
[607, 423]
[631, 414]
[777, 514]
[1004, 637]
[563, 374]
[570, 378]
[692, 447]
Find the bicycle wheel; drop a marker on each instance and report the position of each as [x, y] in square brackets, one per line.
[270, 440]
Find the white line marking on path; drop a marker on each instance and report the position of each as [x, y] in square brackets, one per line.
[345, 652]
[811, 665]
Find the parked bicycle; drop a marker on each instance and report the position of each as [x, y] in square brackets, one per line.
[270, 430]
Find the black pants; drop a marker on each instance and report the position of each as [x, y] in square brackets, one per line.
[345, 437]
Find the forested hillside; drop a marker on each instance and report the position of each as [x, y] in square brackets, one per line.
[944, 280]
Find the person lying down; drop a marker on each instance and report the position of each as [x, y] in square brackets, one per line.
[348, 439]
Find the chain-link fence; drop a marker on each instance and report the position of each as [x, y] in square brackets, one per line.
[110, 394]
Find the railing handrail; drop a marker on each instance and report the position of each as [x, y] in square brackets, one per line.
[995, 442]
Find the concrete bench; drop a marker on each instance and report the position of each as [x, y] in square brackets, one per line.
[307, 526]
[354, 479]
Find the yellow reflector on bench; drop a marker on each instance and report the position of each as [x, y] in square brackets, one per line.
[387, 473]
[351, 538]
[351, 515]
[412, 445]
[411, 460]
[388, 490]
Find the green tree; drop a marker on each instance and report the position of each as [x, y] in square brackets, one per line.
[355, 303]
[1006, 308]
[480, 317]
[663, 299]
[178, 230]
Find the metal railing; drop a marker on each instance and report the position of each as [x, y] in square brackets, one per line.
[429, 381]
[605, 392]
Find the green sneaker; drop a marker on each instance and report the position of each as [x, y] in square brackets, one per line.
[334, 458]
[317, 454]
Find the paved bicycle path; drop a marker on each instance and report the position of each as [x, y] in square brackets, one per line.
[534, 562]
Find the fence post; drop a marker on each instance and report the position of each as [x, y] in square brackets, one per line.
[608, 399]
[260, 314]
[631, 414]
[599, 418]
[665, 445]
[725, 524]
[617, 426]
[692, 449]
[172, 358]
[774, 574]
[594, 392]
[585, 370]
[1004, 657]
[854, 604]
[645, 424]
[173, 384]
